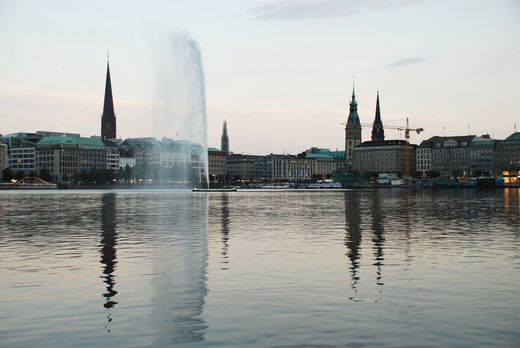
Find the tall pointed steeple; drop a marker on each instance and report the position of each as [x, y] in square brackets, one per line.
[378, 133]
[108, 119]
[224, 140]
[352, 130]
[353, 115]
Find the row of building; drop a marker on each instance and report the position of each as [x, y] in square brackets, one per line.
[446, 156]
[62, 155]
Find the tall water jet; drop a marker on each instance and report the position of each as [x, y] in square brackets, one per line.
[180, 110]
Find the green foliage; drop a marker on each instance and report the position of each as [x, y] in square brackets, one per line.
[434, 174]
[7, 174]
[45, 174]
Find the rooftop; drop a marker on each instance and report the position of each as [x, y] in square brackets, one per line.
[72, 140]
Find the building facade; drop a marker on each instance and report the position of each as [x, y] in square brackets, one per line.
[3, 158]
[481, 153]
[21, 151]
[217, 164]
[423, 160]
[388, 156]
[450, 155]
[66, 156]
[241, 167]
[506, 159]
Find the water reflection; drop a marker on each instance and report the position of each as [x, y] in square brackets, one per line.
[180, 266]
[108, 250]
[353, 234]
[379, 236]
[225, 227]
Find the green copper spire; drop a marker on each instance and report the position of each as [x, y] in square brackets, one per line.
[353, 115]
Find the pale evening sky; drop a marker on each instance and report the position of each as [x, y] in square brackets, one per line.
[279, 72]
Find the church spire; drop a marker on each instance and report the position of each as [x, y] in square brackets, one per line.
[353, 115]
[108, 119]
[378, 133]
[352, 130]
[224, 140]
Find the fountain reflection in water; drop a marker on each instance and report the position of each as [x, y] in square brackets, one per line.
[180, 109]
[180, 264]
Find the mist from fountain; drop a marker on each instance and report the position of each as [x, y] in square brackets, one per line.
[180, 110]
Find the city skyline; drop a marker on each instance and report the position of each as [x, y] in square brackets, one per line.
[279, 73]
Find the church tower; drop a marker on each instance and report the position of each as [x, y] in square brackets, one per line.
[108, 118]
[378, 133]
[224, 140]
[352, 130]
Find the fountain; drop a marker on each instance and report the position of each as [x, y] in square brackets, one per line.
[180, 111]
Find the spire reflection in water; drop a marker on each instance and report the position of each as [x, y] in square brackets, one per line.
[353, 236]
[225, 227]
[379, 236]
[108, 250]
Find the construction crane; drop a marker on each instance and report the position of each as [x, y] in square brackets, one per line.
[407, 131]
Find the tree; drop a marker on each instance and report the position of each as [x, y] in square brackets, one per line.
[19, 175]
[45, 174]
[7, 174]
[434, 174]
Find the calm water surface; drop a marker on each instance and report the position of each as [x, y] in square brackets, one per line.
[340, 268]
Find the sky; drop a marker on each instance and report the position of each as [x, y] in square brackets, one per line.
[280, 72]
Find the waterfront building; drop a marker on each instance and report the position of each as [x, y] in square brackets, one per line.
[21, 150]
[224, 140]
[387, 156]
[423, 160]
[65, 156]
[506, 160]
[291, 167]
[3, 158]
[481, 153]
[126, 155]
[264, 168]
[378, 133]
[146, 150]
[352, 130]
[241, 167]
[217, 164]
[108, 118]
[323, 161]
[112, 154]
[450, 155]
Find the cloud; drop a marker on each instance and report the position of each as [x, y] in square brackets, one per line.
[322, 9]
[405, 61]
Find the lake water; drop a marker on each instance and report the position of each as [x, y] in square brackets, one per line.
[389, 267]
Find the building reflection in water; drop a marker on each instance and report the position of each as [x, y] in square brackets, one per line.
[180, 264]
[108, 250]
[353, 235]
[511, 201]
[379, 235]
[225, 227]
